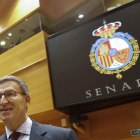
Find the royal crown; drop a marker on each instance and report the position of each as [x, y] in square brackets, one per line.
[107, 30]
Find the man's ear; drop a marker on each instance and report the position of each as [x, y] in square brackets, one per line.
[27, 100]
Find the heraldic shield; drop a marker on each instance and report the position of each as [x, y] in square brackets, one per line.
[114, 52]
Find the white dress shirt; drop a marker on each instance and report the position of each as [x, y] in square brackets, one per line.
[24, 129]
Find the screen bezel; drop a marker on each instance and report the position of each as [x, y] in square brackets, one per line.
[72, 28]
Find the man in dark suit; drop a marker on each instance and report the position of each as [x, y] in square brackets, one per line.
[14, 100]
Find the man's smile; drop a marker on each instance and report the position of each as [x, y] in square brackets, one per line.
[6, 109]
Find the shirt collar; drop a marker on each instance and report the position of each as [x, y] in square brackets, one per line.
[25, 128]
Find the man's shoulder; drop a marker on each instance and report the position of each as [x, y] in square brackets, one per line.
[56, 132]
[3, 137]
[51, 129]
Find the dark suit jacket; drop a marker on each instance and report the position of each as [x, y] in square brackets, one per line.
[48, 132]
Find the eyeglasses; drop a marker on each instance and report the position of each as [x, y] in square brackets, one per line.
[9, 95]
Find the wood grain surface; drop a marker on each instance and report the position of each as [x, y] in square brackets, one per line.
[23, 55]
[14, 11]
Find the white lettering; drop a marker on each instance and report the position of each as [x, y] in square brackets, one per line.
[98, 91]
[113, 89]
[88, 94]
[138, 82]
[125, 85]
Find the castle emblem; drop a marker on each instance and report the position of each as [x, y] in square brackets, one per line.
[114, 52]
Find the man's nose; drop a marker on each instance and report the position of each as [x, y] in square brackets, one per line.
[3, 100]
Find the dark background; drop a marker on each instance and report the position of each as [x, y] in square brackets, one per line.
[70, 67]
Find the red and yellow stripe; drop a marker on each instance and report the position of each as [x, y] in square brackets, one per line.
[106, 60]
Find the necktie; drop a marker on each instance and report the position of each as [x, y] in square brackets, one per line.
[15, 135]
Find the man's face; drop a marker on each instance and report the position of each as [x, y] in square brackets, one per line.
[15, 109]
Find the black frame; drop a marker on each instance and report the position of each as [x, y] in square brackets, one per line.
[84, 107]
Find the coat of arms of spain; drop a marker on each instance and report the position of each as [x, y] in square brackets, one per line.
[114, 52]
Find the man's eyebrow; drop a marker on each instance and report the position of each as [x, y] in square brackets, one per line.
[8, 90]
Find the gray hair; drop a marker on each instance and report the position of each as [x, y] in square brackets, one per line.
[20, 82]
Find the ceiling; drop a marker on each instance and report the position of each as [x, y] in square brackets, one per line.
[31, 25]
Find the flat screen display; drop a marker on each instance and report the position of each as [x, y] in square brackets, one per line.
[98, 59]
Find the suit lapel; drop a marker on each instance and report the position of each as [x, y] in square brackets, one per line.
[3, 137]
[38, 132]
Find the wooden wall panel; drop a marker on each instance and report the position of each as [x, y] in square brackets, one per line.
[2, 127]
[132, 138]
[23, 55]
[55, 9]
[136, 106]
[13, 11]
[37, 78]
[87, 129]
[52, 117]
[115, 123]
